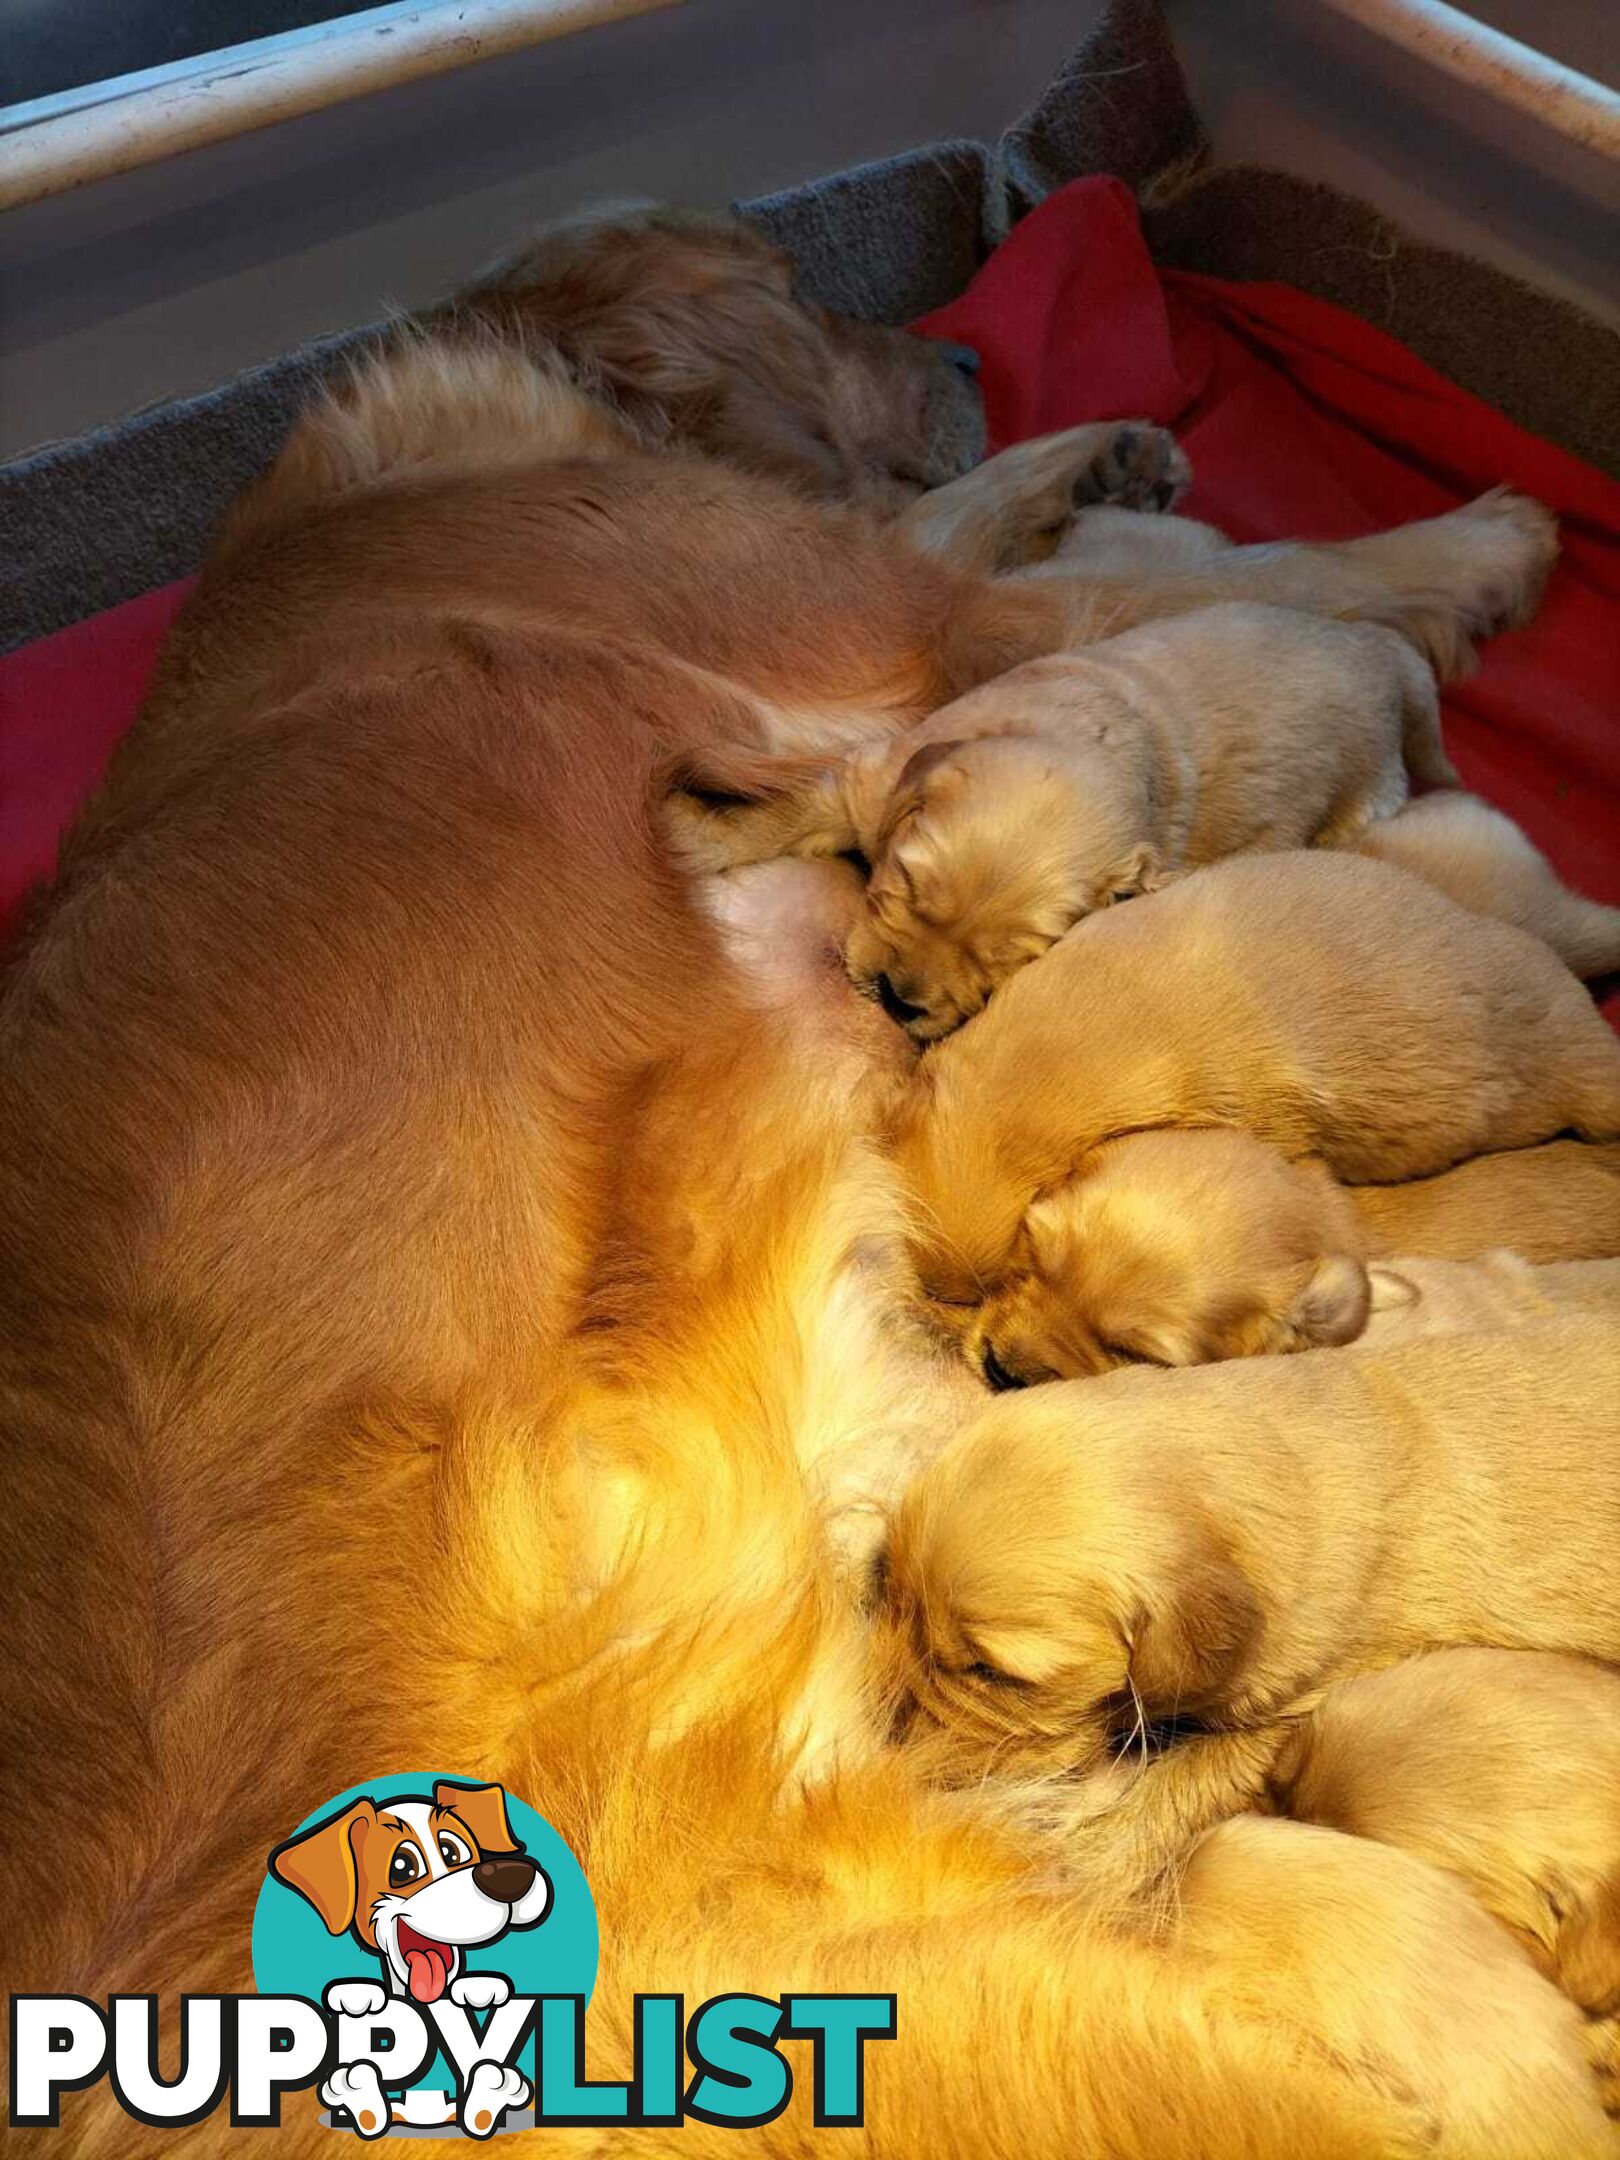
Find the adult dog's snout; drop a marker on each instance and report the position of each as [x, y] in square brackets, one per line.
[506, 1878]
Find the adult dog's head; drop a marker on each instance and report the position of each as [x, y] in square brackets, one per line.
[692, 326]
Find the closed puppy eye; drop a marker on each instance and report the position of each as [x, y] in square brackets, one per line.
[993, 1675]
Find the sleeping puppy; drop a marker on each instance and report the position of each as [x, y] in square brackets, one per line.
[1077, 780]
[1074, 782]
[1181, 1248]
[1503, 1766]
[1332, 1005]
[1215, 1548]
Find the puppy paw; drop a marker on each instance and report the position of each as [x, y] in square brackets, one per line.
[491, 2089]
[357, 2089]
[1507, 546]
[1138, 467]
[481, 1991]
[355, 1998]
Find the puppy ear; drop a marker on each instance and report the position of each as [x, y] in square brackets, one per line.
[910, 787]
[1141, 871]
[483, 1809]
[1187, 1654]
[1334, 1304]
[1391, 1292]
[320, 1865]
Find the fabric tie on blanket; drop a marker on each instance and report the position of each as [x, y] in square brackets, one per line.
[1301, 421]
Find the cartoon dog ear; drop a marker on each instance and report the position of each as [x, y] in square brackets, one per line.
[483, 1809]
[320, 1865]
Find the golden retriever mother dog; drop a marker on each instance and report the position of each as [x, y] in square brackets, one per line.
[447, 1299]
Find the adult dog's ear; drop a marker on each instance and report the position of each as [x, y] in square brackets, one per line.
[1334, 1304]
[483, 1809]
[320, 1865]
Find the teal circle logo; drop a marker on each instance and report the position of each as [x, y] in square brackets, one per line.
[419, 1883]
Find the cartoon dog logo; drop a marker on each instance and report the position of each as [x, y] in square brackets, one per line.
[417, 1882]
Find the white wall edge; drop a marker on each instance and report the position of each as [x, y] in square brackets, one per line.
[68, 141]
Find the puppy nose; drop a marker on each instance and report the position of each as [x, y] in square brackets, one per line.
[897, 1008]
[505, 1879]
[997, 1374]
[962, 357]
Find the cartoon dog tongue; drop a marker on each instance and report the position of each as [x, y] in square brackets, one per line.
[428, 1969]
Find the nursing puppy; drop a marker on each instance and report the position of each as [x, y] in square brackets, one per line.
[1181, 1248]
[1078, 780]
[1334, 1006]
[1071, 783]
[1503, 1766]
[1218, 1547]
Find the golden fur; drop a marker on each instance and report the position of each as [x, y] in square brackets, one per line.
[411, 1204]
[1482, 859]
[1560, 1201]
[692, 328]
[1181, 1247]
[1503, 1766]
[1219, 1546]
[1384, 1029]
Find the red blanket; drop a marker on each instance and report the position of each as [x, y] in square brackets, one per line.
[1300, 421]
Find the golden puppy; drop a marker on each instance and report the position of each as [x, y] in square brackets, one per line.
[1077, 780]
[1071, 783]
[1175, 1248]
[1503, 1766]
[1183, 1247]
[1217, 1547]
[1333, 1005]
